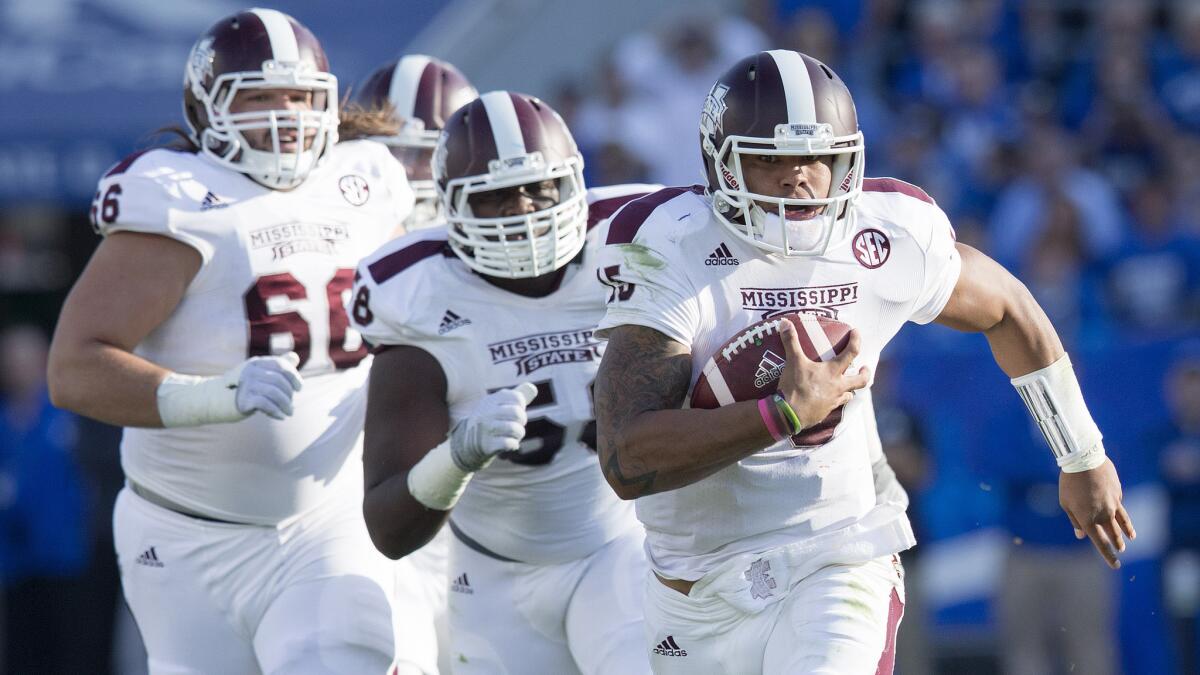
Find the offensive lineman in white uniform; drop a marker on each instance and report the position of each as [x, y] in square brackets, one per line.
[474, 323]
[421, 93]
[770, 550]
[210, 313]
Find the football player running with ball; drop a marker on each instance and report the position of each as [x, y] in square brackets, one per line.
[480, 404]
[770, 551]
[210, 322]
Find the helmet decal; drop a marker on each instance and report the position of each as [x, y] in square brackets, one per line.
[200, 61]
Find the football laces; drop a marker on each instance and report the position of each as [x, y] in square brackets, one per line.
[754, 335]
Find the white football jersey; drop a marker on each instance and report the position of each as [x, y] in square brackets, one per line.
[277, 269]
[548, 502]
[672, 266]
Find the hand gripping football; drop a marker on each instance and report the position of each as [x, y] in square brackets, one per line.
[747, 367]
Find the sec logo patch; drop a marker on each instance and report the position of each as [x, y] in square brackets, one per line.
[355, 189]
[871, 248]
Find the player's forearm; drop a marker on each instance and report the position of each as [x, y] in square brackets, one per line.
[398, 523]
[664, 450]
[104, 382]
[1023, 340]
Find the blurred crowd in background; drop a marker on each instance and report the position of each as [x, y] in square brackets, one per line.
[1063, 139]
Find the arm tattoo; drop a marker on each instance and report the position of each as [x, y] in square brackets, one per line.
[642, 370]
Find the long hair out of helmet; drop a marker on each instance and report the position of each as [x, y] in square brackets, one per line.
[422, 92]
[498, 141]
[260, 49]
[781, 102]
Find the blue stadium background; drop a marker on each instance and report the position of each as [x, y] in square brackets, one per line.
[1062, 137]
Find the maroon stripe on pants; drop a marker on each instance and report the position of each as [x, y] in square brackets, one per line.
[887, 660]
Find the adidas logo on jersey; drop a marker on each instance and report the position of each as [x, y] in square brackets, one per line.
[768, 369]
[149, 558]
[212, 201]
[722, 256]
[669, 647]
[450, 321]
[461, 585]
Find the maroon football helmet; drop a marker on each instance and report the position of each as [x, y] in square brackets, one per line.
[260, 49]
[423, 92]
[781, 102]
[500, 140]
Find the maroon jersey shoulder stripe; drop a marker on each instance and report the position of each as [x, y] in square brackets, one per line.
[604, 208]
[396, 262]
[123, 165]
[896, 185]
[629, 220]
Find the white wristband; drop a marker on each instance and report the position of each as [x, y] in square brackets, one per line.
[1054, 399]
[436, 481]
[191, 400]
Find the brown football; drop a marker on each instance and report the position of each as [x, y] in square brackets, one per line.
[748, 365]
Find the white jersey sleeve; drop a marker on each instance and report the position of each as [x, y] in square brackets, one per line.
[144, 193]
[647, 287]
[942, 263]
[392, 304]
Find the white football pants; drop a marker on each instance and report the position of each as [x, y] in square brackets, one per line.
[838, 620]
[582, 616]
[307, 597]
[421, 585]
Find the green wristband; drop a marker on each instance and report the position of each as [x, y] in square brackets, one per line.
[790, 415]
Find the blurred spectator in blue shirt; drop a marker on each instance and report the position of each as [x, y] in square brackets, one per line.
[1115, 27]
[913, 152]
[903, 441]
[1126, 127]
[1043, 52]
[1177, 75]
[1056, 602]
[1049, 166]
[1183, 158]
[1154, 283]
[40, 493]
[43, 543]
[1178, 446]
[926, 71]
[1058, 271]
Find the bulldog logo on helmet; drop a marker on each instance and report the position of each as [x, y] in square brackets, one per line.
[711, 118]
[200, 62]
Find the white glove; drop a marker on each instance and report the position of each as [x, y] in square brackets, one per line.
[497, 424]
[263, 383]
[267, 383]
